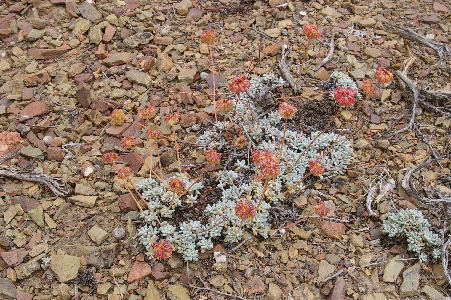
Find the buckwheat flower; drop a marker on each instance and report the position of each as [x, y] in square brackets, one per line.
[316, 168]
[368, 88]
[110, 157]
[117, 117]
[321, 209]
[154, 134]
[224, 105]
[162, 249]
[345, 97]
[287, 110]
[176, 185]
[172, 119]
[267, 163]
[124, 172]
[245, 209]
[128, 142]
[208, 37]
[146, 113]
[240, 142]
[382, 75]
[311, 31]
[212, 156]
[239, 84]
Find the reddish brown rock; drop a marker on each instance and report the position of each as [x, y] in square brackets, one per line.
[158, 272]
[34, 109]
[163, 40]
[23, 296]
[339, 291]
[16, 7]
[117, 130]
[109, 33]
[126, 203]
[194, 14]
[255, 285]
[332, 229]
[188, 119]
[56, 153]
[5, 27]
[27, 93]
[132, 4]
[322, 74]
[439, 7]
[83, 95]
[273, 49]
[36, 78]
[14, 257]
[46, 53]
[35, 141]
[139, 271]
[26, 203]
[134, 160]
[83, 77]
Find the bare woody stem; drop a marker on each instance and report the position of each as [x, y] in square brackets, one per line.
[283, 138]
[141, 198]
[265, 187]
[210, 50]
[298, 183]
[306, 49]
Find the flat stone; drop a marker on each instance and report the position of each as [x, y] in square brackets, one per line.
[362, 144]
[392, 270]
[183, 7]
[65, 266]
[81, 26]
[274, 292]
[194, 14]
[35, 108]
[383, 144]
[26, 269]
[367, 22]
[110, 31]
[439, 7]
[139, 270]
[177, 292]
[139, 77]
[164, 62]
[83, 95]
[254, 285]
[35, 35]
[46, 53]
[14, 257]
[339, 291]
[331, 12]
[325, 269]
[119, 58]
[186, 75]
[103, 288]
[88, 11]
[357, 240]
[39, 249]
[49, 221]
[187, 119]
[95, 34]
[152, 292]
[4, 65]
[56, 153]
[322, 74]
[332, 229]
[373, 52]
[11, 212]
[23, 296]
[273, 32]
[97, 234]
[374, 296]
[7, 289]
[411, 280]
[37, 215]
[84, 201]
[432, 293]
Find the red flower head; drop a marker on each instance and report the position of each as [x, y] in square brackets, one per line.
[117, 117]
[212, 156]
[239, 84]
[154, 134]
[316, 168]
[267, 162]
[124, 172]
[208, 37]
[172, 119]
[224, 105]
[110, 157]
[345, 97]
[162, 249]
[176, 185]
[368, 88]
[146, 113]
[382, 75]
[321, 209]
[311, 31]
[240, 142]
[287, 110]
[128, 142]
[245, 209]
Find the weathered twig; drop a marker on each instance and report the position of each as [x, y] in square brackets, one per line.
[416, 98]
[285, 70]
[445, 258]
[329, 54]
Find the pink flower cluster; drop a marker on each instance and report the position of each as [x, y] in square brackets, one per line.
[239, 84]
[162, 249]
[287, 110]
[345, 97]
[311, 31]
[245, 209]
[267, 163]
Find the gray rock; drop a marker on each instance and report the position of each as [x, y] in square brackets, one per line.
[139, 77]
[81, 27]
[411, 280]
[65, 266]
[88, 11]
[84, 201]
[26, 269]
[186, 75]
[325, 269]
[177, 292]
[97, 234]
[119, 233]
[30, 151]
[432, 293]
[119, 58]
[7, 289]
[35, 35]
[95, 34]
[392, 270]
[373, 52]
[362, 144]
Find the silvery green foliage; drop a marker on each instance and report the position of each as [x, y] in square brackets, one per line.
[411, 224]
[343, 80]
[261, 89]
[236, 182]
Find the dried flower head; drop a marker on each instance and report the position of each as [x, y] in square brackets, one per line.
[172, 119]
[345, 97]
[239, 84]
[267, 162]
[110, 157]
[311, 31]
[212, 156]
[287, 110]
[117, 117]
[316, 168]
[154, 134]
[240, 142]
[128, 142]
[208, 37]
[245, 209]
[382, 75]
[224, 106]
[368, 88]
[176, 185]
[124, 172]
[146, 113]
[321, 209]
[162, 249]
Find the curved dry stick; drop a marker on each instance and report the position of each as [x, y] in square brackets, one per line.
[329, 54]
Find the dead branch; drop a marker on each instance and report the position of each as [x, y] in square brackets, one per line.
[445, 259]
[442, 49]
[285, 70]
[416, 99]
[329, 54]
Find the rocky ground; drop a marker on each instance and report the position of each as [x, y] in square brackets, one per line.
[65, 65]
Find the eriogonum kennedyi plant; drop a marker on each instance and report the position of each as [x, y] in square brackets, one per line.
[345, 97]
[368, 88]
[311, 32]
[117, 117]
[245, 209]
[239, 84]
[383, 76]
[162, 249]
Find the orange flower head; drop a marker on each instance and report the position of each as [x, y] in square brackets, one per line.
[311, 31]
[146, 113]
[172, 119]
[345, 97]
[368, 88]
[224, 106]
[162, 249]
[110, 157]
[176, 185]
[245, 209]
[240, 142]
[124, 172]
[117, 117]
[287, 110]
[239, 84]
[208, 37]
[212, 156]
[128, 142]
[154, 134]
[321, 209]
[316, 168]
[267, 162]
[382, 75]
